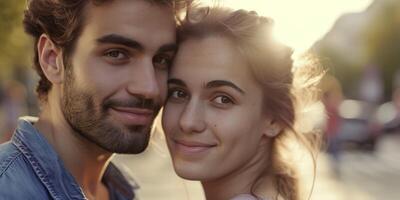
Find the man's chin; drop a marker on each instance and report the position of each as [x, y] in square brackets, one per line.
[132, 148]
[132, 140]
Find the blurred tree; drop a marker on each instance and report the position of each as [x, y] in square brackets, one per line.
[374, 34]
[347, 72]
[14, 42]
[383, 42]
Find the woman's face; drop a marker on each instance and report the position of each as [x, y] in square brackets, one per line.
[213, 118]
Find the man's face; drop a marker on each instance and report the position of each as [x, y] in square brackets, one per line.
[116, 81]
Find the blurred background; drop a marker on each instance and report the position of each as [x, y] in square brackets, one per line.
[358, 41]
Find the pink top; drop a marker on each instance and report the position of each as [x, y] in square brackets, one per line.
[246, 197]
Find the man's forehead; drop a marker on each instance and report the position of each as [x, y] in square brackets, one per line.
[150, 25]
[131, 43]
[128, 6]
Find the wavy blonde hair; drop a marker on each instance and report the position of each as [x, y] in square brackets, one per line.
[287, 88]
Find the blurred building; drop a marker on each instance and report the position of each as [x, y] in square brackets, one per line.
[360, 40]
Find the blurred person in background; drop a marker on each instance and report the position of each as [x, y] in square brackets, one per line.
[371, 85]
[103, 69]
[393, 126]
[230, 119]
[14, 105]
[332, 97]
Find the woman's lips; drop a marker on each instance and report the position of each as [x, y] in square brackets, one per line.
[191, 147]
[132, 116]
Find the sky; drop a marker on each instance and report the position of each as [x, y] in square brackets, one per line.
[300, 23]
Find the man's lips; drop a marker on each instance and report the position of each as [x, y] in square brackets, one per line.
[132, 116]
[189, 147]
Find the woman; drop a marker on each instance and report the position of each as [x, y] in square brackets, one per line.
[231, 108]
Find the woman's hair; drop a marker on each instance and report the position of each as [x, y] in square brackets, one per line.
[287, 88]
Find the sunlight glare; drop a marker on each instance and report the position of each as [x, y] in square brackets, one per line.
[300, 24]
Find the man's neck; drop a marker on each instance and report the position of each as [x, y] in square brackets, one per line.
[83, 159]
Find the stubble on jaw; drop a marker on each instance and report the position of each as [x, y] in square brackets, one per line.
[91, 121]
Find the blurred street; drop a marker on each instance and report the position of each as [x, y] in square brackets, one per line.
[356, 42]
[373, 176]
[363, 175]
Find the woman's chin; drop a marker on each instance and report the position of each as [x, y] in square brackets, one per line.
[191, 172]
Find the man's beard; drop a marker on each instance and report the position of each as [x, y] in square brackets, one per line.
[92, 121]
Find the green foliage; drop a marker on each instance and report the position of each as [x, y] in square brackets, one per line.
[10, 15]
[348, 74]
[383, 41]
[15, 48]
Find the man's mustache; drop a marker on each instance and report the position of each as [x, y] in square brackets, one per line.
[133, 102]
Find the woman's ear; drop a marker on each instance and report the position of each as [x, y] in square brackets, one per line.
[50, 59]
[272, 129]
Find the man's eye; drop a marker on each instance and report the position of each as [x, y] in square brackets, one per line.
[222, 100]
[116, 57]
[115, 54]
[162, 61]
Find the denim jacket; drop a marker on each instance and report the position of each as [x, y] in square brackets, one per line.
[31, 169]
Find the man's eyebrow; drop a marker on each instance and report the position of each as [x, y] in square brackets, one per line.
[176, 82]
[220, 83]
[121, 40]
[168, 47]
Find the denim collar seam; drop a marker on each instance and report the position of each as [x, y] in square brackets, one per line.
[37, 168]
[6, 163]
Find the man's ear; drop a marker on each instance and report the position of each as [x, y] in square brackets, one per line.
[50, 59]
[272, 129]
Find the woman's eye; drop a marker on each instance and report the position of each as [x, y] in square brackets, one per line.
[222, 100]
[177, 94]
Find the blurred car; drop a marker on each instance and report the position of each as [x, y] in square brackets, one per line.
[359, 127]
[389, 117]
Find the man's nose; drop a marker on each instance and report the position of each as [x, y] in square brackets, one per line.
[143, 81]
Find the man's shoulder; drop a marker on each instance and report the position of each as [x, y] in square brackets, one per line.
[8, 154]
[17, 179]
[119, 181]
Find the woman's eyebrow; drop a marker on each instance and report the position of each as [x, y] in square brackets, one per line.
[176, 82]
[220, 83]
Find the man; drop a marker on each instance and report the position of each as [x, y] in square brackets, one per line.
[103, 68]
